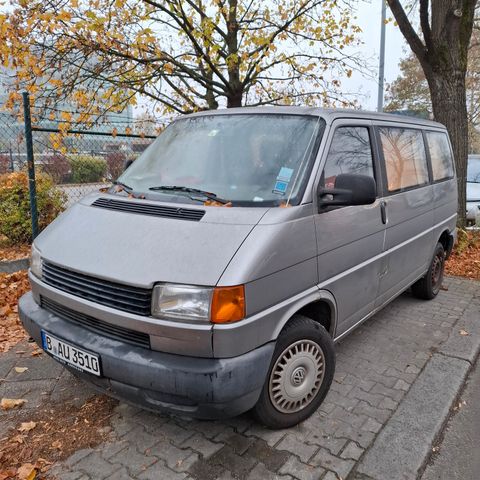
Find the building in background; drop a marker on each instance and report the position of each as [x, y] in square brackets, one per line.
[46, 150]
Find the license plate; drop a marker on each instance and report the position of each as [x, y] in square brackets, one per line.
[69, 354]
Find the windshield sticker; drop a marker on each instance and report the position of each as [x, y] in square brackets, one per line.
[285, 174]
[280, 187]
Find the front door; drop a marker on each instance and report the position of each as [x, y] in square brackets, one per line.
[350, 239]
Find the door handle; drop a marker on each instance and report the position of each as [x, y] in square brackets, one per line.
[383, 211]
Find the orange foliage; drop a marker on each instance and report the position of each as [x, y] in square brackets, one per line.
[12, 287]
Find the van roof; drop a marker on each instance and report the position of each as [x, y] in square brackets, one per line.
[329, 114]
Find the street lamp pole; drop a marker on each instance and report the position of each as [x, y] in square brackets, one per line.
[381, 67]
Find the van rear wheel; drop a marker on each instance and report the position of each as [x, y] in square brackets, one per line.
[429, 285]
[300, 374]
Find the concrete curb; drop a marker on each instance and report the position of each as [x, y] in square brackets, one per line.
[403, 446]
[14, 265]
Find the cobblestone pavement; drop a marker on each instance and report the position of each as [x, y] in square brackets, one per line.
[376, 365]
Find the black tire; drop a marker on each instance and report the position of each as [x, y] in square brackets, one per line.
[310, 339]
[429, 285]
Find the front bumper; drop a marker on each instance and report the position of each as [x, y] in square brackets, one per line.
[198, 387]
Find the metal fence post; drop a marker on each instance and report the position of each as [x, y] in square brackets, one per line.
[31, 164]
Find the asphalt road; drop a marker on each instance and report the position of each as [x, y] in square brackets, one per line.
[458, 456]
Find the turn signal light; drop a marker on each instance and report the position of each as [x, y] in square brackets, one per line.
[228, 304]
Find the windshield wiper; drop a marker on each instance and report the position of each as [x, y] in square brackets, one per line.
[209, 195]
[124, 186]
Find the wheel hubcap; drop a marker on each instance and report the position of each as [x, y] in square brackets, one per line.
[437, 272]
[297, 376]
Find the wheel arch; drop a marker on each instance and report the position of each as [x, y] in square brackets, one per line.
[321, 307]
[447, 239]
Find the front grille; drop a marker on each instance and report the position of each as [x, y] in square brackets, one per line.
[116, 295]
[102, 328]
[149, 209]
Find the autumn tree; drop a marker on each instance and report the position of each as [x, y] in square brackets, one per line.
[442, 50]
[185, 55]
[409, 91]
[146, 123]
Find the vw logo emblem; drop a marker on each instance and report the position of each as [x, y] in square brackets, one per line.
[298, 376]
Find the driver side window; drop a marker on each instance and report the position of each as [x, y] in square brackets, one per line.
[350, 152]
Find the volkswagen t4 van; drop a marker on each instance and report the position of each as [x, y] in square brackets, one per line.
[216, 275]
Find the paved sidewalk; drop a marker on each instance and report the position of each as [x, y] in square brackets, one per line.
[376, 367]
[458, 453]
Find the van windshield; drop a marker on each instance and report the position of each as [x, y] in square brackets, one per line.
[246, 159]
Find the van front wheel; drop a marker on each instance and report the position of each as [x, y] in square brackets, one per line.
[300, 374]
[429, 285]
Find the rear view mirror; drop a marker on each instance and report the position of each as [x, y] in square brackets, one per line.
[349, 190]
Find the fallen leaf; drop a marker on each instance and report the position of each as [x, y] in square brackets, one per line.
[18, 439]
[27, 426]
[57, 444]
[464, 261]
[464, 333]
[8, 403]
[21, 369]
[35, 353]
[10, 473]
[26, 472]
[12, 286]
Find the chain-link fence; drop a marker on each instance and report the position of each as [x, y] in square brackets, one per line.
[78, 160]
[80, 163]
[12, 144]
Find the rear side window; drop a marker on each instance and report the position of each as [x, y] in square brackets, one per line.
[350, 152]
[405, 158]
[440, 155]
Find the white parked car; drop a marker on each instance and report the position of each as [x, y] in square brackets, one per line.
[473, 190]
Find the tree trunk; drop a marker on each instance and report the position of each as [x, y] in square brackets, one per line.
[449, 104]
[235, 99]
[210, 95]
[235, 88]
[211, 100]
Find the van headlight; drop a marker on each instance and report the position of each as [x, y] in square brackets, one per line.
[181, 302]
[36, 262]
[202, 304]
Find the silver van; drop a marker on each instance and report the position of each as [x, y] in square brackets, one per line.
[216, 274]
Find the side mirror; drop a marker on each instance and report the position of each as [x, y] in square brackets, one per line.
[349, 190]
